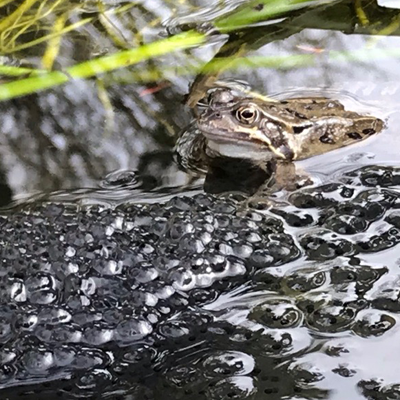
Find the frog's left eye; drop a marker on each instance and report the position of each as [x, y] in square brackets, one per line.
[247, 115]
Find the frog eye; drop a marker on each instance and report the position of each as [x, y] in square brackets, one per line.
[247, 115]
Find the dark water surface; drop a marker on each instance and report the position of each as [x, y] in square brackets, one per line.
[135, 284]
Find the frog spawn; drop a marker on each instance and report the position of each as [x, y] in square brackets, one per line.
[134, 305]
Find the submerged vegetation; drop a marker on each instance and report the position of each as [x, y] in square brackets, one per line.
[47, 43]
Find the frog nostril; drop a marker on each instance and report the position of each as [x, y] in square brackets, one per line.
[217, 115]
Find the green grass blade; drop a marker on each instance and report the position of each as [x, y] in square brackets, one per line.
[100, 65]
[11, 71]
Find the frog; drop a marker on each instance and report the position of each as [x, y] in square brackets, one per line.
[268, 134]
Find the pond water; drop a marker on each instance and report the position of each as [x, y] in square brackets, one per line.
[316, 314]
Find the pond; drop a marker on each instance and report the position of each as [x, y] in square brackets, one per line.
[122, 277]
